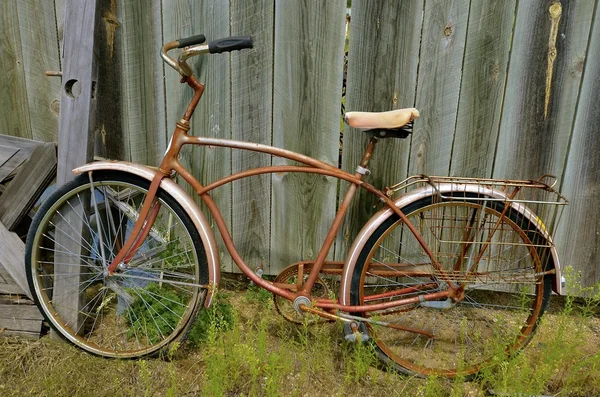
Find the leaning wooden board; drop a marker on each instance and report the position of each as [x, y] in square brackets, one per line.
[19, 317]
[21, 150]
[12, 256]
[28, 185]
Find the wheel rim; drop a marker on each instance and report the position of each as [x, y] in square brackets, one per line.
[140, 309]
[499, 311]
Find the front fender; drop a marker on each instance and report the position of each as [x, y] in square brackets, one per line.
[426, 191]
[206, 234]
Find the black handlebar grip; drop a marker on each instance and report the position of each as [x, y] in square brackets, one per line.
[198, 39]
[229, 44]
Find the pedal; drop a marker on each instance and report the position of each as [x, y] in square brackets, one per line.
[356, 332]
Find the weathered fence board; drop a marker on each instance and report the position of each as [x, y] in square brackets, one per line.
[440, 71]
[109, 142]
[381, 34]
[306, 116]
[14, 115]
[184, 18]
[37, 25]
[482, 87]
[538, 110]
[75, 141]
[143, 91]
[579, 235]
[251, 115]
[77, 103]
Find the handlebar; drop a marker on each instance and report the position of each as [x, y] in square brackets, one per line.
[195, 45]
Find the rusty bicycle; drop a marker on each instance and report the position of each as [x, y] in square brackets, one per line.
[447, 275]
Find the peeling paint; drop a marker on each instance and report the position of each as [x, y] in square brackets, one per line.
[111, 22]
[555, 13]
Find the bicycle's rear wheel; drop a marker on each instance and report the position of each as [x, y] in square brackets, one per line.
[149, 302]
[505, 294]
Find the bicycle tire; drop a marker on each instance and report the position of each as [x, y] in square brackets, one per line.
[142, 308]
[493, 320]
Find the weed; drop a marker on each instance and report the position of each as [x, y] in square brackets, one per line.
[261, 296]
[172, 389]
[218, 317]
[145, 377]
[432, 388]
[360, 357]
[556, 361]
[259, 353]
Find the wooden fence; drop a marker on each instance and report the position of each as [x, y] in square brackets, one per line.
[505, 89]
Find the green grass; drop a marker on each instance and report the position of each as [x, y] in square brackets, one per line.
[246, 349]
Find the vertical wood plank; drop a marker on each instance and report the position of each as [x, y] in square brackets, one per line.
[37, 26]
[482, 87]
[184, 18]
[75, 139]
[251, 120]
[578, 237]
[109, 140]
[78, 100]
[309, 44]
[543, 83]
[440, 71]
[142, 81]
[14, 115]
[383, 57]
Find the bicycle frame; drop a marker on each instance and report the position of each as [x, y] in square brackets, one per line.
[171, 165]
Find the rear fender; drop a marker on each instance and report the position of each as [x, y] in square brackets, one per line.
[426, 191]
[189, 206]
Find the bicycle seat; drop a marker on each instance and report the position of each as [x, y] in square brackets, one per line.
[384, 124]
[381, 120]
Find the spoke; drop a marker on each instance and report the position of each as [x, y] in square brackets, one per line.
[64, 232]
[141, 259]
[74, 285]
[68, 251]
[170, 282]
[152, 309]
[110, 223]
[98, 221]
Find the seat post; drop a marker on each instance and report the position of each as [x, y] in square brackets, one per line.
[362, 169]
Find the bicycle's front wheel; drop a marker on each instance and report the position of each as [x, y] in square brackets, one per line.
[149, 302]
[498, 262]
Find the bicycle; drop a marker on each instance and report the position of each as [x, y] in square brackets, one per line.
[448, 274]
